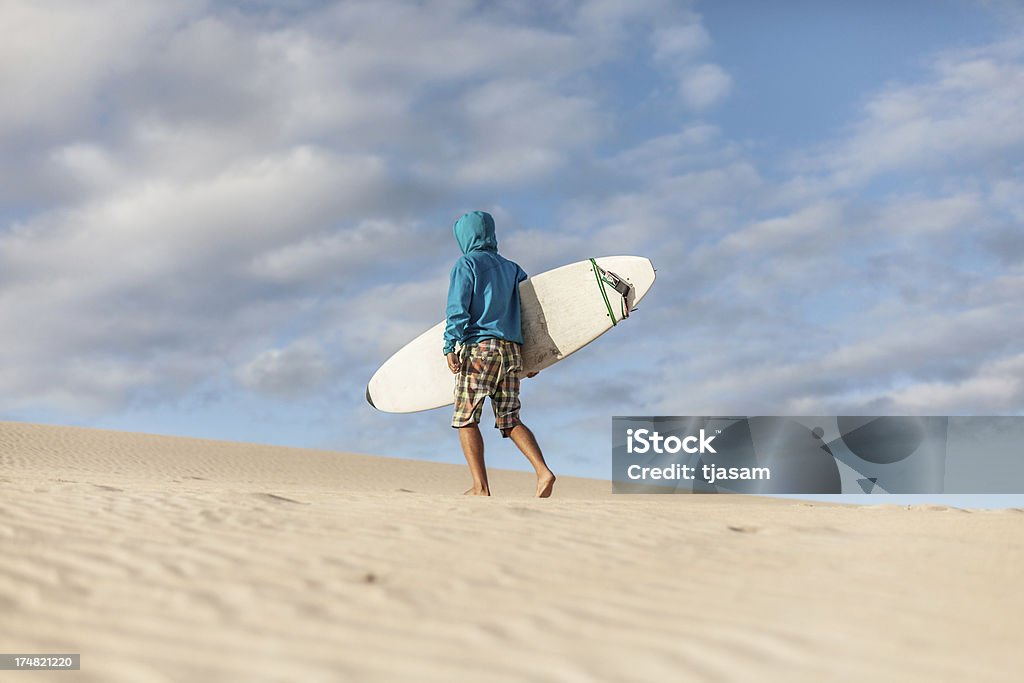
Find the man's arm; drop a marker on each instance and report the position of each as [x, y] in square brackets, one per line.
[460, 298]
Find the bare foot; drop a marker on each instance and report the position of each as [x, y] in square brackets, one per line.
[545, 483]
[477, 492]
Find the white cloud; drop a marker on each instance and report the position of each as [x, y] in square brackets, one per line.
[607, 22]
[155, 225]
[323, 258]
[680, 40]
[704, 85]
[678, 43]
[808, 228]
[386, 317]
[292, 371]
[696, 145]
[1008, 195]
[56, 57]
[932, 216]
[516, 131]
[669, 212]
[966, 114]
[995, 388]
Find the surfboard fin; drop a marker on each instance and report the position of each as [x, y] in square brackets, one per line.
[620, 285]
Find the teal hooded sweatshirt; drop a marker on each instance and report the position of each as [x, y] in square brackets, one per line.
[483, 290]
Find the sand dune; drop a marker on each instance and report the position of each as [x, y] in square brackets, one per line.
[171, 559]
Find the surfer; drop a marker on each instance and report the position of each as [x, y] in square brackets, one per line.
[483, 318]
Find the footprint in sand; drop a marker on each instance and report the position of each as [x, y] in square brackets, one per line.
[524, 511]
[744, 529]
[274, 498]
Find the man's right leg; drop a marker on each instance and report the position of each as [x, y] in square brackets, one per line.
[473, 448]
[524, 439]
[472, 385]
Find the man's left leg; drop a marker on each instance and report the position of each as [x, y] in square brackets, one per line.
[506, 404]
[526, 442]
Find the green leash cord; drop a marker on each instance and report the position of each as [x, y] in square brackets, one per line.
[604, 295]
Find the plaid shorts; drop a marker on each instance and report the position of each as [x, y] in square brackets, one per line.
[490, 367]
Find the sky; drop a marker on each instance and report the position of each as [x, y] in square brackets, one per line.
[217, 219]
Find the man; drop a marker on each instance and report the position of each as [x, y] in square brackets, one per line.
[484, 320]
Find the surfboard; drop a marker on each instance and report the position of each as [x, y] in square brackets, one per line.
[562, 311]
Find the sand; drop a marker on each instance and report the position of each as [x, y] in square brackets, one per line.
[174, 559]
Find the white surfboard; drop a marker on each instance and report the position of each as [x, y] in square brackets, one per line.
[562, 311]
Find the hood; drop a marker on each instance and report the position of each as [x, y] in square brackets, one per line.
[475, 232]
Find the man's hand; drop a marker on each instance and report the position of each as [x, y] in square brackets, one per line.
[454, 364]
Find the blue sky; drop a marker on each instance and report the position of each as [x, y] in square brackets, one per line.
[218, 218]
